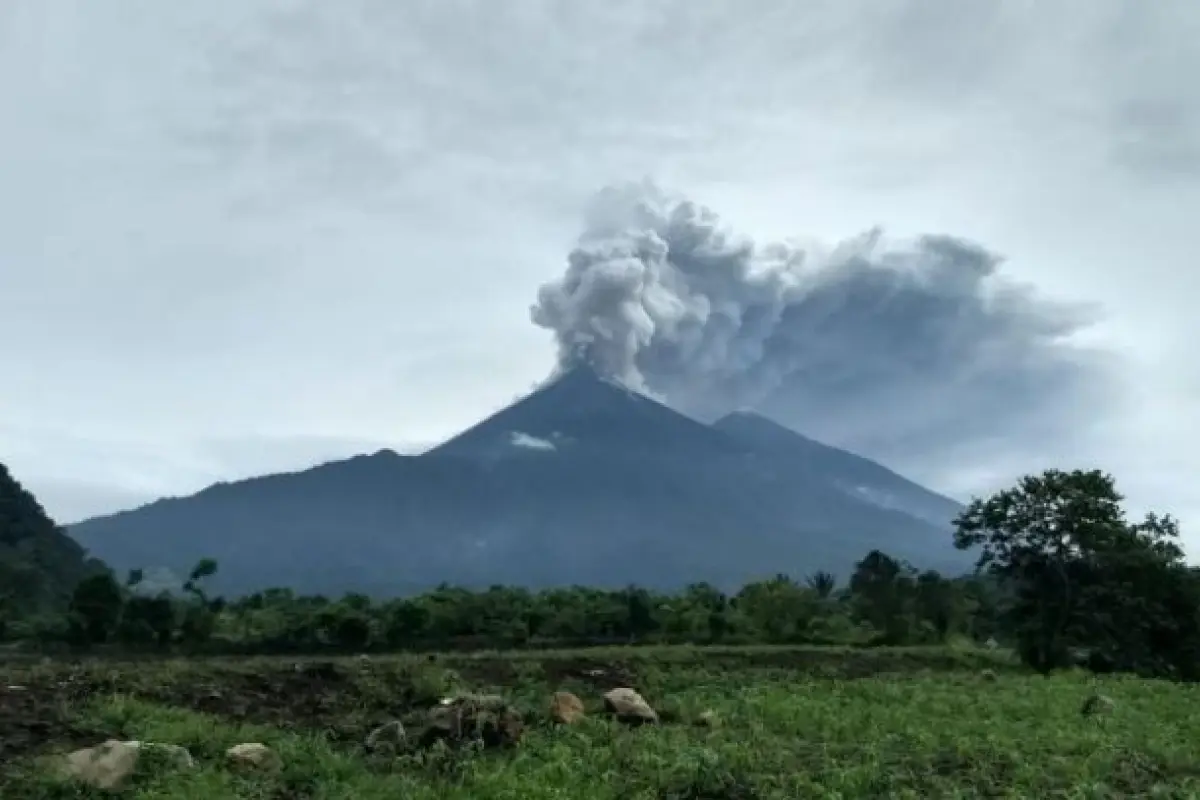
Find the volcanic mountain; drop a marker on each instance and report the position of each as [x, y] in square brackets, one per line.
[582, 482]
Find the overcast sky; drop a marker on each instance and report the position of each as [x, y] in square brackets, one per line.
[241, 236]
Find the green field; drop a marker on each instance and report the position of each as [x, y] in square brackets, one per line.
[790, 723]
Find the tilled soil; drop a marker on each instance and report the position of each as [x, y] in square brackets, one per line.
[34, 717]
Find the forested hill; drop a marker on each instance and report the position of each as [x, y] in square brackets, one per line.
[39, 564]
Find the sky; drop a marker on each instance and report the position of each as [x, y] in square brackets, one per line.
[246, 236]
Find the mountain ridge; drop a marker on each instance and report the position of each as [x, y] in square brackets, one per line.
[582, 481]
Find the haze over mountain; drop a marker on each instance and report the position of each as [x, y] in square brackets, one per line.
[583, 481]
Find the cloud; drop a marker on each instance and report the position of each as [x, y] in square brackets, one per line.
[890, 347]
[529, 442]
[228, 220]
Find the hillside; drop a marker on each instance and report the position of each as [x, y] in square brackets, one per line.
[39, 563]
[582, 482]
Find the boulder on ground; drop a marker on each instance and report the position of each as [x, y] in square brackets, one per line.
[566, 708]
[487, 719]
[388, 737]
[629, 707]
[254, 756]
[110, 765]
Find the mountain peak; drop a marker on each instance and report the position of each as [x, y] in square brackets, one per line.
[581, 408]
[582, 376]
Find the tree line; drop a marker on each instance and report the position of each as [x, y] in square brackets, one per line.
[885, 602]
[1063, 577]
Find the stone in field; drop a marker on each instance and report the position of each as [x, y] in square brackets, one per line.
[254, 756]
[111, 764]
[630, 707]
[566, 708]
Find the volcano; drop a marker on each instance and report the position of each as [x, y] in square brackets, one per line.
[584, 481]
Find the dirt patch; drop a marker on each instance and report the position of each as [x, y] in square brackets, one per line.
[323, 696]
[35, 719]
[600, 676]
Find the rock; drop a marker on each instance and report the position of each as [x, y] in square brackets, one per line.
[105, 766]
[708, 719]
[254, 756]
[388, 737]
[988, 675]
[484, 718]
[111, 764]
[629, 707]
[566, 708]
[1097, 705]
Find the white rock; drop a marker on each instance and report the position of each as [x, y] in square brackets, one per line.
[254, 756]
[109, 765]
[629, 706]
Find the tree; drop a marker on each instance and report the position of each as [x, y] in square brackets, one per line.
[148, 620]
[345, 626]
[199, 618]
[406, 622]
[882, 591]
[940, 603]
[639, 612]
[780, 609]
[823, 583]
[205, 568]
[1081, 574]
[95, 609]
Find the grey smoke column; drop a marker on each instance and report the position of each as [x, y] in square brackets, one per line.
[884, 347]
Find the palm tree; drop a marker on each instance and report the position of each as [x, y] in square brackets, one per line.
[823, 583]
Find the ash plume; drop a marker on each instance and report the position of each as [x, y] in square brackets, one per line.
[890, 348]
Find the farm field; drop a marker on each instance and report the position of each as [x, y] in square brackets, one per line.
[734, 724]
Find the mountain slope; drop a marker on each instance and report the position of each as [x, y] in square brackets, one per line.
[582, 481]
[811, 460]
[39, 563]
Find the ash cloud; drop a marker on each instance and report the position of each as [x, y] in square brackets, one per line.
[894, 349]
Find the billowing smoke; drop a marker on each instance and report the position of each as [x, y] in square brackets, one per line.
[888, 348]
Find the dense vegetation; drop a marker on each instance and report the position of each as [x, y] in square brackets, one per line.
[39, 564]
[1063, 575]
[885, 602]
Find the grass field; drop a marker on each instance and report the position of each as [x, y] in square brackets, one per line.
[791, 723]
